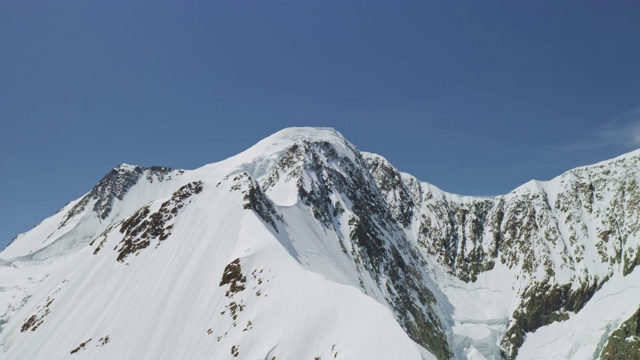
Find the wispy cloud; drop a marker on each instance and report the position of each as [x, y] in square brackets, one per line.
[622, 134]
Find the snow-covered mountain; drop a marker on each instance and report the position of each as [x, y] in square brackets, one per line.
[303, 247]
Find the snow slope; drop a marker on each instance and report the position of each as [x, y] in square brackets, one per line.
[303, 247]
[165, 301]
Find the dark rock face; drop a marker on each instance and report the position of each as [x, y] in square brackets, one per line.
[144, 226]
[397, 193]
[115, 185]
[624, 343]
[528, 231]
[454, 234]
[233, 277]
[254, 199]
[531, 230]
[337, 188]
[543, 304]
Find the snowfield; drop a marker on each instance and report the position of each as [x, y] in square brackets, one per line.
[302, 247]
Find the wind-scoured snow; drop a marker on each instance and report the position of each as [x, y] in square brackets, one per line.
[303, 247]
[165, 301]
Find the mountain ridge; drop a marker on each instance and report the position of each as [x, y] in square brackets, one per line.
[456, 273]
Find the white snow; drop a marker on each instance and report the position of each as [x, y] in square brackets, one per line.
[304, 296]
[166, 303]
[584, 335]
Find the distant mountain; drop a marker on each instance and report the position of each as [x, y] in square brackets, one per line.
[303, 247]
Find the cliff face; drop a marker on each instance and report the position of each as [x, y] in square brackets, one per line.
[562, 239]
[461, 277]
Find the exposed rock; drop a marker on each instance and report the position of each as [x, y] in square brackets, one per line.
[144, 226]
[34, 321]
[624, 343]
[233, 277]
[115, 185]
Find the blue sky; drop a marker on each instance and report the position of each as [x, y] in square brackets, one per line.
[476, 97]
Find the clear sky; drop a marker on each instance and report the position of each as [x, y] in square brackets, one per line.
[476, 97]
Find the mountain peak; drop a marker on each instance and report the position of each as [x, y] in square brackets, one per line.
[369, 252]
[288, 136]
[273, 146]
[126, 167]
[308, 133]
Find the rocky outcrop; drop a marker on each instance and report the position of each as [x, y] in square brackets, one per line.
[562, 240]
[547, 232]
[624, 343]
[143, 227]
[116, 184]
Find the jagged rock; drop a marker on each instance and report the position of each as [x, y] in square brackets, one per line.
[400, 241]
[145, 226]
[115, 185]
[624, 343]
